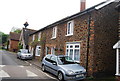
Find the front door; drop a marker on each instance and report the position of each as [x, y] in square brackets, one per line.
[38, 50]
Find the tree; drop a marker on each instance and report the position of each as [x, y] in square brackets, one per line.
[17, 30]
[3, 38]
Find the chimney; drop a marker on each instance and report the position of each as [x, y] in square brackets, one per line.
[82, 5]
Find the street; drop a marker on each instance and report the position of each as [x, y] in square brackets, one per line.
[13, 69]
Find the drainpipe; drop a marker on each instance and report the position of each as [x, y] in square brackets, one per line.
[88, 41]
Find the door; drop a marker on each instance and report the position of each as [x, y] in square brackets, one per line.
[53, 65]
[38, 50]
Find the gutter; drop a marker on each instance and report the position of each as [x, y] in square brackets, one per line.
[88, 41]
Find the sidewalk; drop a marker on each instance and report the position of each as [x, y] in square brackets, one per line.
[35, 62]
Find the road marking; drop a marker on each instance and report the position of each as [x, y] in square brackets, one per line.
[3, 74]
[45, 74]
[2, 65]
[31, 74]
[21, 66]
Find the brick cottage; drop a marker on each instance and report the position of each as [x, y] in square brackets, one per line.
[13, 41]
[87, 37]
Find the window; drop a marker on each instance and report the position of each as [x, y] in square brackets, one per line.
[70, 26]
[39, 36]
[54, 33]
[52, 50]
[53, 58]
[48, 58]
[47, 48]
[33, 37]
[73, 51]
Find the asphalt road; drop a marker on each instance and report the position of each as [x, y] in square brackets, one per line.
[13, 69]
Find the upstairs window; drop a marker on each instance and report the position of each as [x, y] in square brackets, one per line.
[39, 36]
[33, 37]
[70, 26]
[54, 33]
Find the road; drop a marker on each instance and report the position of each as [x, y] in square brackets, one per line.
[13, 69]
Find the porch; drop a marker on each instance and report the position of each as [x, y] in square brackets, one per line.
[117, 47]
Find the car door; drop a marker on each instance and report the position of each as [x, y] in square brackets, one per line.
[47, 63]
[53, 65]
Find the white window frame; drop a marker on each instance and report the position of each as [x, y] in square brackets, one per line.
[46, 50]
[39, 36]
[54, 32]
[52, 50]
[73, 48]
[33, 37]
[37, 48]
[70, 28]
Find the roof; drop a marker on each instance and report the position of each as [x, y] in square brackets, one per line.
[117, 45]
[26, 33]
[118, 7]
[96, 7]
[14, 36]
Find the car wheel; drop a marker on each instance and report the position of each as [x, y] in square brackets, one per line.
[21, 58]
[43, 68]
[60, 76]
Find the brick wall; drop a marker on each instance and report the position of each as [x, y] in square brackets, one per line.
[106, 35]
[13, 45]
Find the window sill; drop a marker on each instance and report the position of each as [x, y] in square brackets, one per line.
[37, 55]
[69, 35]
[53, 38]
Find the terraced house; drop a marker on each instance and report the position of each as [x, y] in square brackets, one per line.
[87, 37]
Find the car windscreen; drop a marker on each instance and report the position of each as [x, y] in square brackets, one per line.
[65, 60]
[24, 51]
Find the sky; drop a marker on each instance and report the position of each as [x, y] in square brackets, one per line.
[38, 13]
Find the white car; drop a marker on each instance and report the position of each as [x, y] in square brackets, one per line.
[24, 54]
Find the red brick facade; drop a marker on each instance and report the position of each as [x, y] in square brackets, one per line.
[13, 45]
[13, 41]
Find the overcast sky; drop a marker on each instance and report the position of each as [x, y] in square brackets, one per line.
[38, 13]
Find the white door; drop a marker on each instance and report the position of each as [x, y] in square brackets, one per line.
[38, 50]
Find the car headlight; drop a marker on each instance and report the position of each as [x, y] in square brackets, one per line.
[70, 72]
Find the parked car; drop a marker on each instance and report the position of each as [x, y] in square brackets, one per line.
[63, 67]
[24, 54]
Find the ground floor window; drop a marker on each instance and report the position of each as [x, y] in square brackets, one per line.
[52, 50]
[73, 51]
[38, 50]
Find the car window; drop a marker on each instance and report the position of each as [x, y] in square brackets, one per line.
[53, 58]
[65, 60]
[24, 51]
[47, 58]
